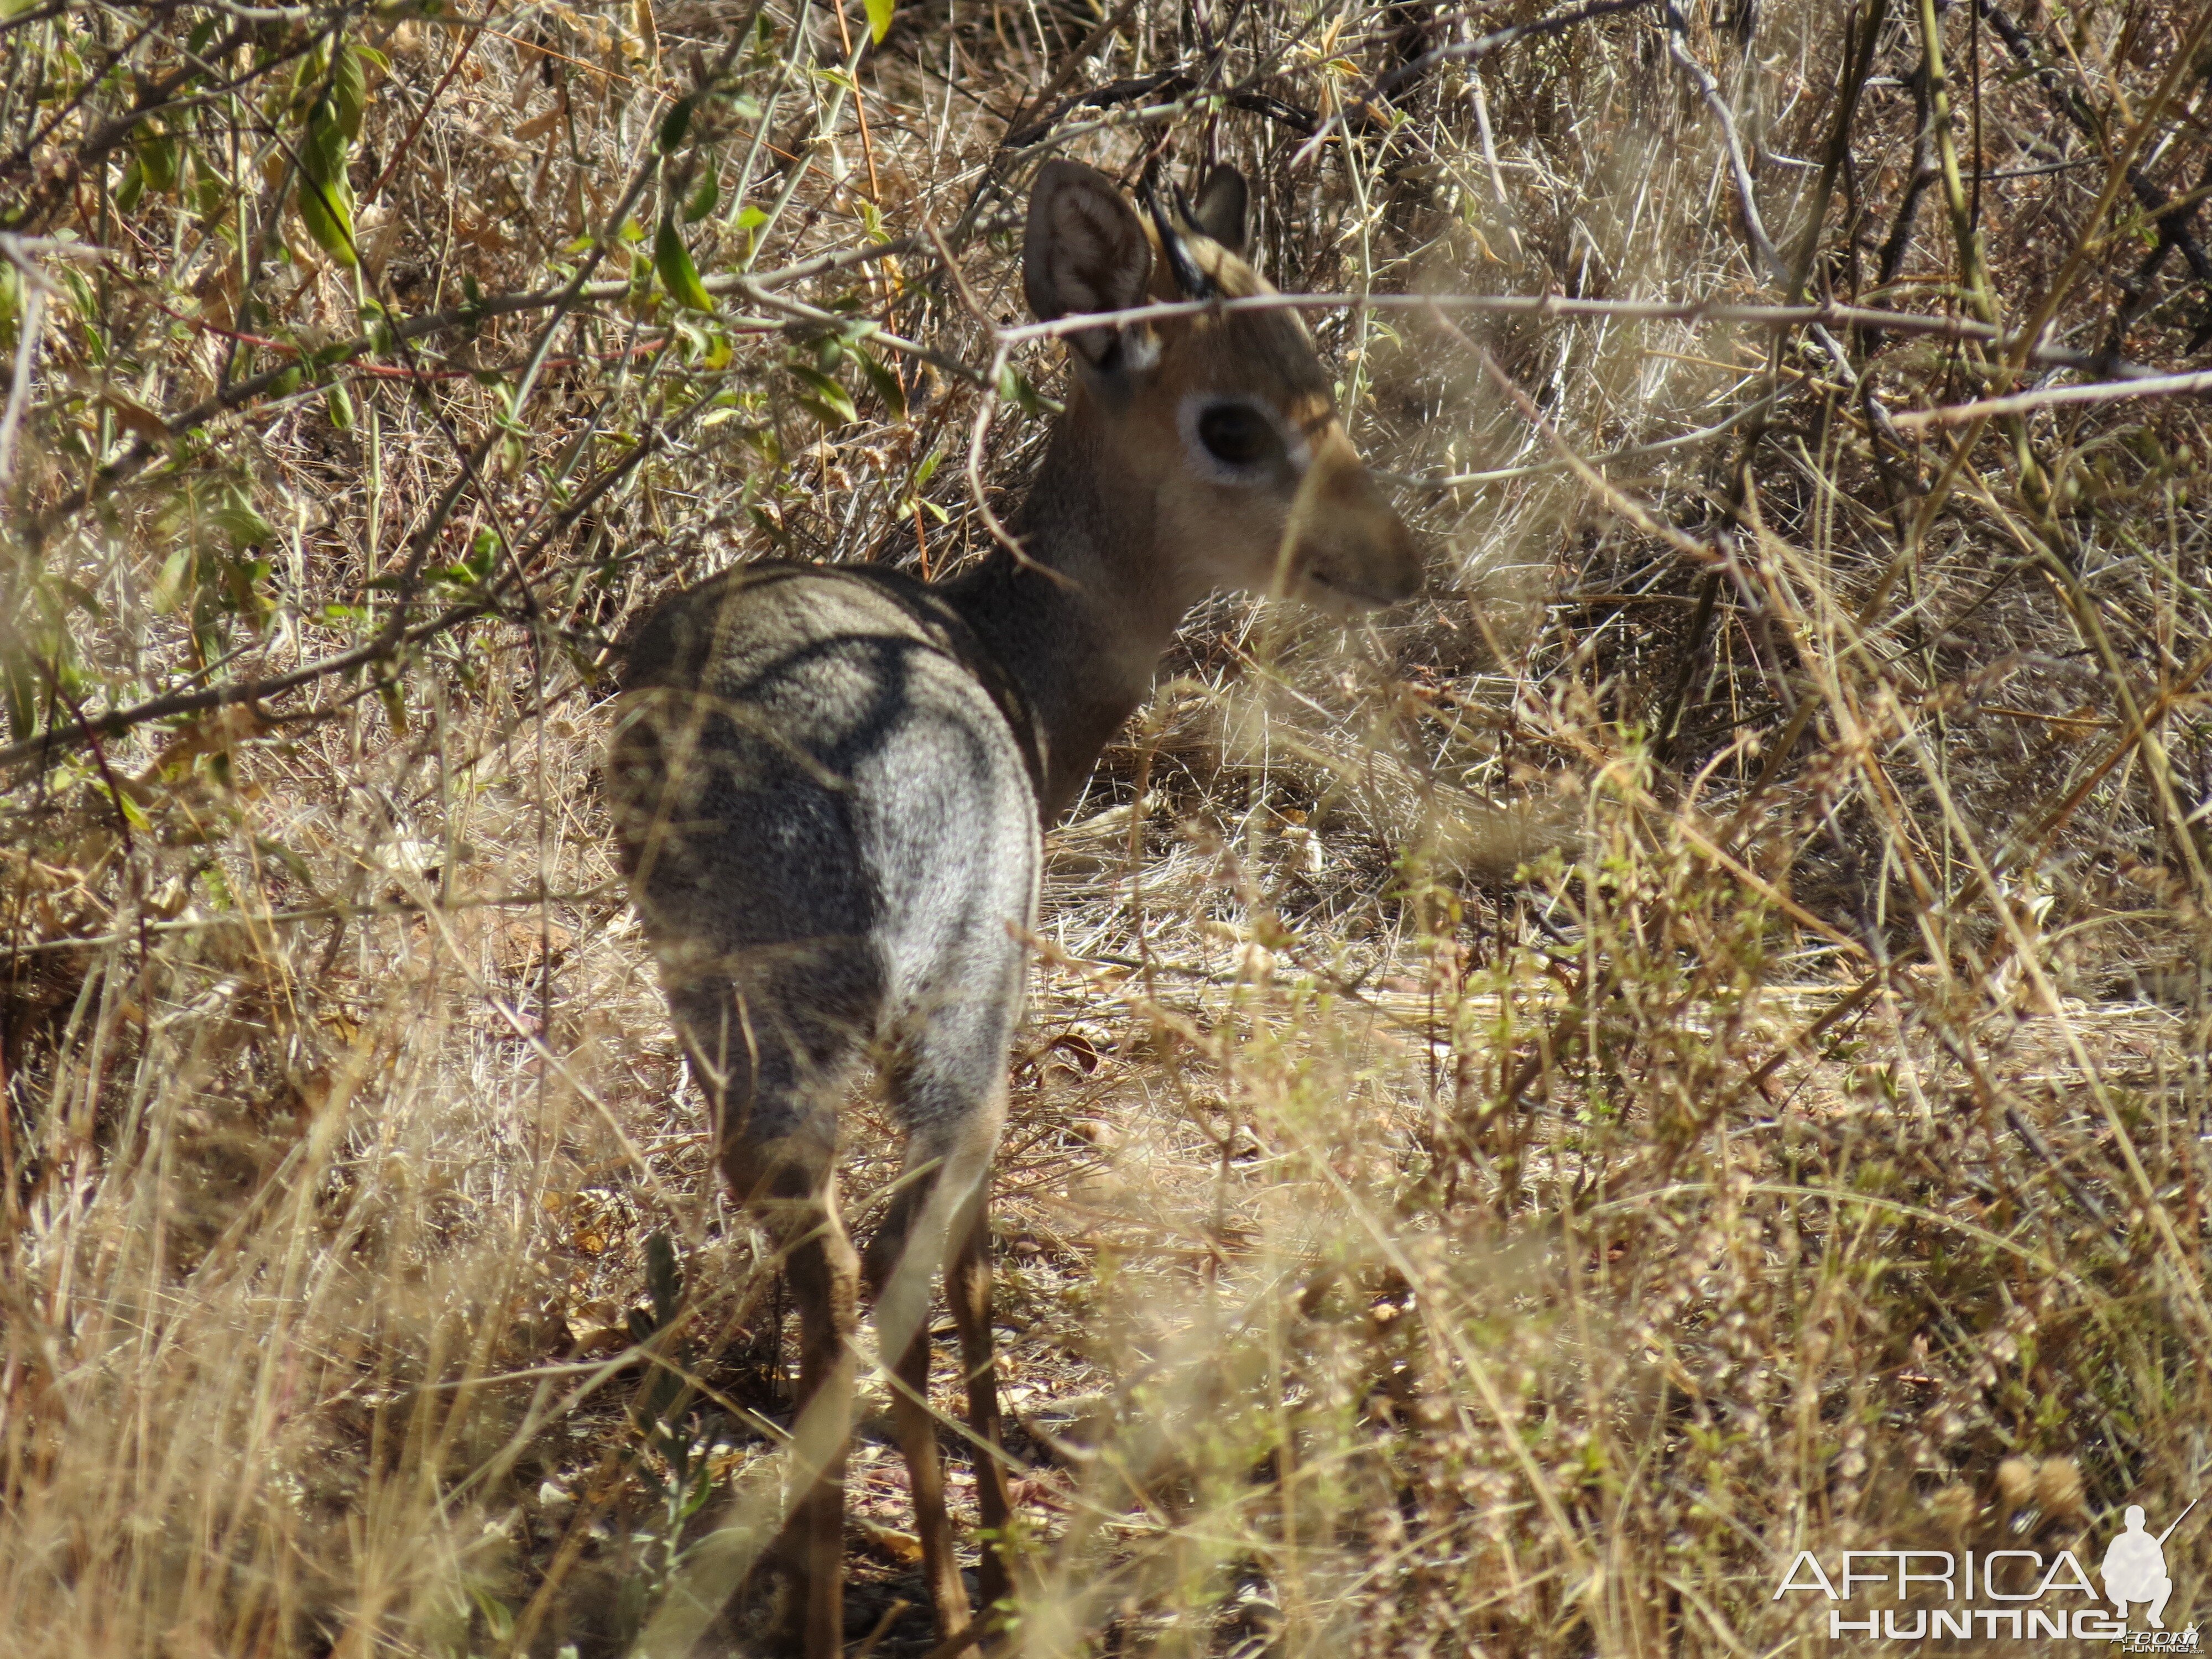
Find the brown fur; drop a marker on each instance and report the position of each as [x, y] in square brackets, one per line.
[831, 787]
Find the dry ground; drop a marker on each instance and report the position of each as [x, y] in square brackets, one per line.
[1686, 1046]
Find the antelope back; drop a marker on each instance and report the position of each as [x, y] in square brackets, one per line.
[1227, 417]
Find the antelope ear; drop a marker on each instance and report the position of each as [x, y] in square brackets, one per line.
[1085, 249]
[1221, 206]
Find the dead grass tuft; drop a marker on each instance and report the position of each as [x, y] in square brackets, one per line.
[1687, 1047]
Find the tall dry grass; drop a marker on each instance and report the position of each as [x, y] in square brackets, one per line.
[1689, 1045]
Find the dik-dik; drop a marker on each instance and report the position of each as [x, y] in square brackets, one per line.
[831, 784]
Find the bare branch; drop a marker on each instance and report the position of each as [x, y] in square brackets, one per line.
[2021, 402]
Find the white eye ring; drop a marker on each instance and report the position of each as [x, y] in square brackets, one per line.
[1197, 405]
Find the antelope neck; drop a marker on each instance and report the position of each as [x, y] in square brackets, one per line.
[1083, 635]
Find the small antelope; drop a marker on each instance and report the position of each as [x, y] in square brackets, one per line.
[831, 783]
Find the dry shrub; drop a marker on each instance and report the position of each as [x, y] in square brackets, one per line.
[1688, 1046]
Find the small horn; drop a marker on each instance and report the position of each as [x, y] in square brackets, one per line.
[1194, 283]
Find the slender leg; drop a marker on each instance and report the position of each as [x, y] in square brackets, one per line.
[946, 1072]
[824, 1280]
[790, 1184]
[968, 1287]
[917, 1423]
[947, 1163]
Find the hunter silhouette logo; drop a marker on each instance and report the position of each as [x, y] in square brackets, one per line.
[2001, 1597]
[2135, 1566]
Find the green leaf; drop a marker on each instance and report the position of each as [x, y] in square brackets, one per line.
[394, 696]
[324, 156]
[133, 186]
[1014, 387]
[672, 261]
[209, 516]
[277, 852]
[170, 586]
[885, 380]
[483, 553]
[879, 17]
[324, 198]
[19, 689]
[663, 1282]
[702, 199]
[676, 124]
[234, 515]
[499, 1618]
[831, 401]
[157, 159]
[348, 90]
[212, 198]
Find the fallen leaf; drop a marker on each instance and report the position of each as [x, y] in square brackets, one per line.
[902, 1547]
[135, 417]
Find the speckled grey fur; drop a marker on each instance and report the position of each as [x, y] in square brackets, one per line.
[830, 785]
[846, 857]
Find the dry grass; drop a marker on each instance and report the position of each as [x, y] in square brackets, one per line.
[1688, 1046]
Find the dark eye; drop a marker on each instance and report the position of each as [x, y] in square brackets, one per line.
[1235, 435]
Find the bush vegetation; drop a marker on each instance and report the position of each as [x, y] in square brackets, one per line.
[1687, 1045]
